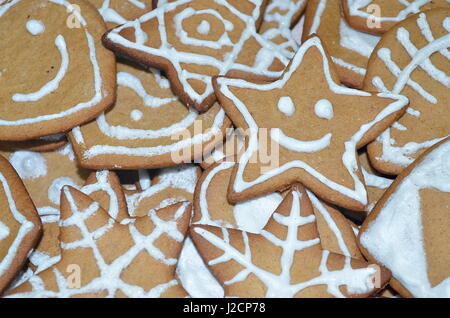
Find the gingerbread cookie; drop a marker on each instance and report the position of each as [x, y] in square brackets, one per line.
[350, 49]
[285, 260]
[101, 257]
[379, 16]
[212, 208]
[194, 40]
[412, 59]
[116, 12]
[335, 122]
[20, 227]
[61, 38]
[407, 230]
[147, 127]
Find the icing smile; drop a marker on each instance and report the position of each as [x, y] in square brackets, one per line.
[54, 83]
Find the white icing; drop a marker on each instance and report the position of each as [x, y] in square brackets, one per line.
[395, 237]
[110, 15]
[35, 27]
[4, 231]
[136, 115]
[376, 181]
[349, 156]
[52, 85]
[28, 164]
[54, 191]
[324, 109]
[204, 27]
[195, 277]
[300, 145]
[286, 105]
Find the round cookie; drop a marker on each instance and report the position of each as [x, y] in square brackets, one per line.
[134, 258]
[194, 40]
[350, 49]
[147, 127]
[40, 82]
[407, 230]
[20, 227]
[379, 16]
[412, 59]
[335, 121]
[286, 259]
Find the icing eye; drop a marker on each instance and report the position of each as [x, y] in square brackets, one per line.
[136, 115]
[35, 27]
[29, 165]
[204, 27]
[324, 109]
[286, 105]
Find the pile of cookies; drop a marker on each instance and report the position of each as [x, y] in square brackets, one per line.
[249, 148]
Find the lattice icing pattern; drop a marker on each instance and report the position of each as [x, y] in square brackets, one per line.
[192, 57]
[413, 60]
[112, 257]
[289, 238]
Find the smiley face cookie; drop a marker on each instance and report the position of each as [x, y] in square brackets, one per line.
[412, 59]
[20, 227]
[40, 88]
[147, 127]
[285, 260]
[194, 40]
[379, 16]
[407, 230]
[350, 49]
[335, 121]
[101, 257]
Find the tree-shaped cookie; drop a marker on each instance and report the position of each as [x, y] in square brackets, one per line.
[305, 127]
[193, 40]
[286, 259]
[408, 230]
[412, 59]
[104, 258]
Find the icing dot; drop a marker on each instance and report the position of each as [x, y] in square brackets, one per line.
[54, 191]
[204, 27]
[35, 27]
[136, 115]
[28, 164]
[324, 109]
[286, 105]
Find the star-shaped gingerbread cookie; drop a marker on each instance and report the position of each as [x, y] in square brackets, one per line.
[194, 40]
[305, 127]
[286, 259]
